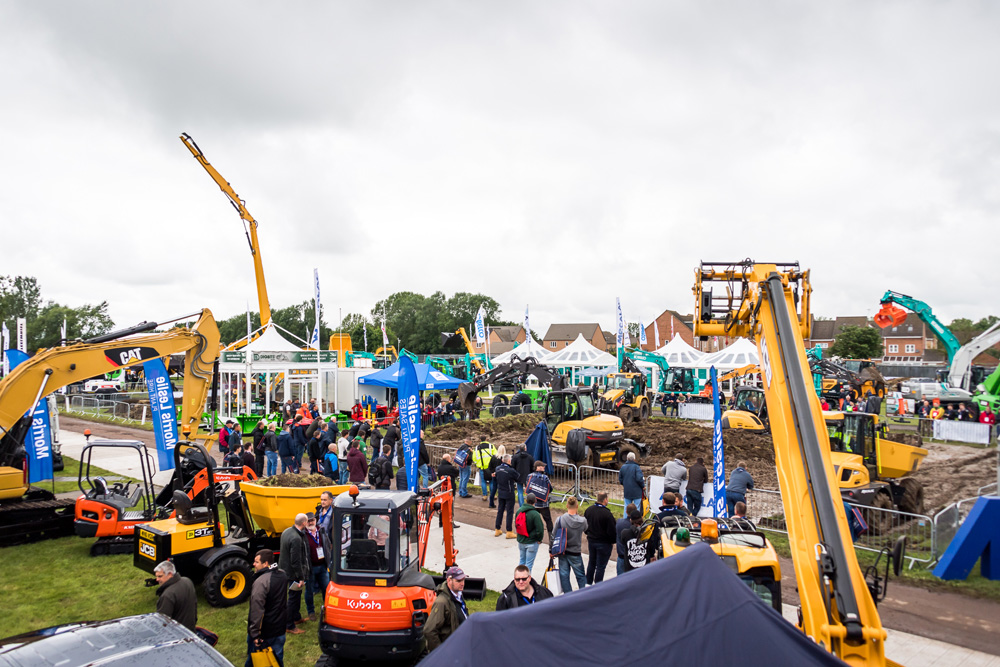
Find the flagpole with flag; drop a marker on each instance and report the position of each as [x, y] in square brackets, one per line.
[656, 334]
[4, 346]
[314, 340]
[642, 334]
[385, 339]
[527, 326]
[718, 452]
[481, 327]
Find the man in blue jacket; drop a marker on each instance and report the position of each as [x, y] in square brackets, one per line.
[630, 477]
[286, 449]
[736, 489]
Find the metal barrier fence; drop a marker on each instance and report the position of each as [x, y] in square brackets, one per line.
[565, 479]
[699, 411]
[592, 480]
[437, 451]
[504, 410]
[957, 431]
[885, 526]
[117, 410]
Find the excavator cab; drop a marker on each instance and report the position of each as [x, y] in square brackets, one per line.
[748, 411]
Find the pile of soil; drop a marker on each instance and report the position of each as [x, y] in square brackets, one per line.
[954, 472]
[503, 430]
[690, 440]
[293, 480]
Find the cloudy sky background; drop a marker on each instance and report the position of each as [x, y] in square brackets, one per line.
[556, 154]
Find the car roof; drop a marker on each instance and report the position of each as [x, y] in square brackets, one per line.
[149, 640]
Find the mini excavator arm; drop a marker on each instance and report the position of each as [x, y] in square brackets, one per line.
[760, 303]
[250, 226]
[57, 367]
[518, 367]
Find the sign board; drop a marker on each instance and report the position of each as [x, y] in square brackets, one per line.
[301, 357]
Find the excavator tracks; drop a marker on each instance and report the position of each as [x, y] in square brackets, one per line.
[24, 521]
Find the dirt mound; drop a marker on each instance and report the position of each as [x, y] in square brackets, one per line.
[512, 427]
[689, 440]
[297, 481]
[953, 472]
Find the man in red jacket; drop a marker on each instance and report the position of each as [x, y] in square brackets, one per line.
[357, 464]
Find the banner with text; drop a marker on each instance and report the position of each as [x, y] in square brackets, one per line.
[161, 403]
[38, 441]
[718, 453]
[409, 418]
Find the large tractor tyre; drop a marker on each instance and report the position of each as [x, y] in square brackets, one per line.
[576, 446]
[912, 500]
[500, 399]
[644, 411]
[227, 583]
[499, 411]
[625, 414]
[879, 523]
[520, 399]
[624, 450]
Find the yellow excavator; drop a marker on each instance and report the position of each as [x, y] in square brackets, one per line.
[625, 394]
[28, 513]
[249, 227]
[838, 601]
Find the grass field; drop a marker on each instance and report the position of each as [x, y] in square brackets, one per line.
[71, 468]
[57, 581]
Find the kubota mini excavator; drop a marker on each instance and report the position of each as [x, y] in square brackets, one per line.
[378, 599]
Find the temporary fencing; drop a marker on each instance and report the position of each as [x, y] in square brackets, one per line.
[593, 480]
[957, 431]
[699, 411]
[885, 526]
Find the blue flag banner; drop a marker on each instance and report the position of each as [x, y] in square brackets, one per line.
[38, 441]
[718, 453]
[161, 402]
[409, 419]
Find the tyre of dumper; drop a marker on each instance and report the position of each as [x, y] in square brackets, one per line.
[576, 445]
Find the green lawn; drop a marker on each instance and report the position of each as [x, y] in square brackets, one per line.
[975, 586]
[57, 581]
[71, 468]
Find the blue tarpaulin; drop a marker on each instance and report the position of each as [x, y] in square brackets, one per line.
[689, 609]
[538, 446]
[428, 377]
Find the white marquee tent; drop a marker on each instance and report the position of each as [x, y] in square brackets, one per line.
[740, 353]
[678, 353]
[528, 348]
[580, 354]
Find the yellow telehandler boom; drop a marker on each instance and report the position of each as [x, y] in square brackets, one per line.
[759, 301]
[249, 226]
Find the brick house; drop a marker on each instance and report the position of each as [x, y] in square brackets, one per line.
[907, 341]
[671, 322]
[823, 332]
[561, 335]
[504, 339]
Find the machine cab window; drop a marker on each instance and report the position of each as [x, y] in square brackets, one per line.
[377, 537]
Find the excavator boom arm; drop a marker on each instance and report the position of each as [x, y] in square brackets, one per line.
[234, 199]
[57, 367]
[760, 303]
[529, 366]
[926, 315]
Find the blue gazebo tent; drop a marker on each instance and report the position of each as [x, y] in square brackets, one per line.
[428, 377]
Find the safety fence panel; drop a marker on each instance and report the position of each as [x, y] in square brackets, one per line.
[594, 480]
[957, 431]
[437, 451]
[565, 480]
[885, 526]
[988, 490]
[700, 411]
[505, 410]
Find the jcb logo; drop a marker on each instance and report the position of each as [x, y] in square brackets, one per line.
[147, 550]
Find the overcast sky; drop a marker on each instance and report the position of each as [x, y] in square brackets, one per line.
[557, 154]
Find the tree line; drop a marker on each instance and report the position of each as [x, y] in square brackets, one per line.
[21, 296]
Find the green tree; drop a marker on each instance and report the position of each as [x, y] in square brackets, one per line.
[857, 343]
[84, 322]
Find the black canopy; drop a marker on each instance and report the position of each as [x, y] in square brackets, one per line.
[689, 609]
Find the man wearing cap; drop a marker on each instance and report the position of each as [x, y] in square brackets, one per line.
[448, 611]
[224, 437]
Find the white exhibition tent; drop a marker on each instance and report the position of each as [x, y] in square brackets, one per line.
[271, 340]
[740, 353]
[580, 354]
[528, 348]
[678, 353]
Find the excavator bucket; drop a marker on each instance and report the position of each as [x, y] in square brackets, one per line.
[451, 341]
[889, 316]
[467, 396]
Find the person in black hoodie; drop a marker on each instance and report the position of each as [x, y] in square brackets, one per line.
[257, 436]
[524, 464]
[316, 451]
[506, 478]
[268, 612]
[383, 466]
[391, 438]
[601, 537]
[521, 592]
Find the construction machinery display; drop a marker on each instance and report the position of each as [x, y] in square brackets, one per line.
[625, 393]
[28, 513]
[379, 598]
[479, 362]
[769, 303]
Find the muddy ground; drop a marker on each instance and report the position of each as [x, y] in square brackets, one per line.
[949, 473]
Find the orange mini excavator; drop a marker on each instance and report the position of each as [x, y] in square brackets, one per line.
[379, 598]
